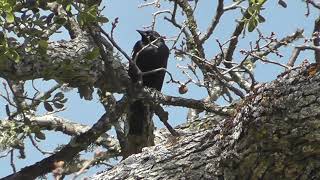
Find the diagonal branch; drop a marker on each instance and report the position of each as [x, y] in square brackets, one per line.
[155, 96]
[214, 22]
[50, 122]
[76, 145]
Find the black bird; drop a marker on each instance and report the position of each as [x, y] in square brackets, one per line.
[152, 57]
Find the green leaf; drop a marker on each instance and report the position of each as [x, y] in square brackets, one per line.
[43, 44]
[58, 105]
[60, 20]
[93, 54]
[14, 55]
[282, 3]
[40, 135]
[252, 10]
[58, 96]
[103, 19]
[261, 19]
[80, 19]
[252, 24]
[10, 17]
[261, 2]
[63, 100]
[68, 8]
[47, 106]
[3, 58]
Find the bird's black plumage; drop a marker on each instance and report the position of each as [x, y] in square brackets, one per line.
[152, 57]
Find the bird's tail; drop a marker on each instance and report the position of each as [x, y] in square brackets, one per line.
[140, 128]
[137, 116]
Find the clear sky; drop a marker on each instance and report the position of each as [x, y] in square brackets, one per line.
[279, 20]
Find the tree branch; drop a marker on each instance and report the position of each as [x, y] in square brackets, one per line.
[77, 144]
[264, 135]
[214, 22]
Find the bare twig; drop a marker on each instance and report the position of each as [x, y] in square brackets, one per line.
[235, 5]
[155, 3]
[316, 39]
[12, 161]
[163, 116]
[173, 20]
[5, 154]
[274, 45]
[157, 97]
[297, 50]
[269, 61]
[114, 25]
[314, 3]
[37, 147]
[178, 37]
[115, 44]
[154, 17]
[214, 22]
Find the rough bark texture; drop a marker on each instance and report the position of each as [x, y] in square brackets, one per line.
[66, 61]
[275, 134]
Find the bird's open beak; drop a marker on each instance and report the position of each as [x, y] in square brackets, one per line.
[142, 33]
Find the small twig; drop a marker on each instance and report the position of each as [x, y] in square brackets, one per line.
[237, 66]
[34, 87]
[154, 17]
[98, 158]
[308, 8]
[37, 147]
[114, 25]
[12, 161]
[143, 48]
[214, 22]
[173, 20]
[312, 2]
[4, 155]
[157, 97]
[8, 100]
[233, 6]
[156, 3]
[316, 39]
[163, 116]
[178, 37]
[115, 44]
[86, 165]
[269, 61]
[153, 71]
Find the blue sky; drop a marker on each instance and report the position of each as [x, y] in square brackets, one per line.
[279, 20]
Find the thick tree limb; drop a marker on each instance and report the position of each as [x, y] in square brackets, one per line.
[273, 135]
[66, 62]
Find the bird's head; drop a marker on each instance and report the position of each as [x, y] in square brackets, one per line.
[149, 36]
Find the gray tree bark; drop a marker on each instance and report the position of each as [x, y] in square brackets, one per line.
[275, 134]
